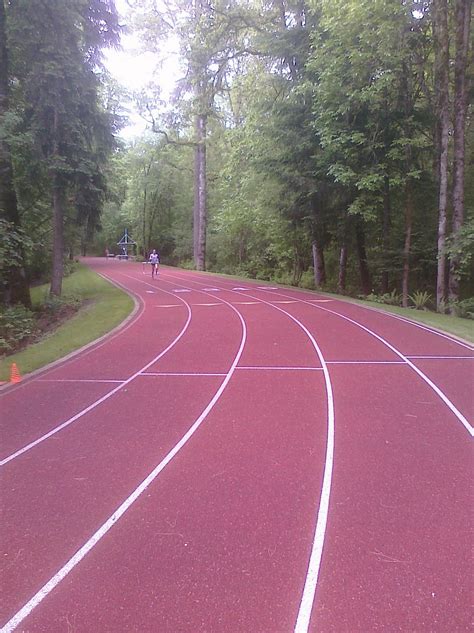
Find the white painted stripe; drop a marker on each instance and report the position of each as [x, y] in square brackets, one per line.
[240, 288]
[365, 362]
[170, 305]
[442, 357]
[166, 373]
[321, 300]
[78, 380]
[99, 401]
[267, 288]
[263, 368]
[207, 304]
[245, 303]
[181, 290]
[150, 292]
[105, 527]
[211, 289]
[292, 301]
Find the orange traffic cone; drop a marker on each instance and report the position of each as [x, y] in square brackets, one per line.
[14, 374]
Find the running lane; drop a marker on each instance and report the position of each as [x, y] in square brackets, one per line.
[397, 548]
[219, 540]
[222, 538]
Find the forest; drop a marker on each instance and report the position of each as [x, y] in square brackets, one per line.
[325, 144]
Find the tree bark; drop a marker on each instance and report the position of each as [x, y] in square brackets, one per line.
[386, 231]
[341, 282]
[463, 23]
[365, 278]
[318, 265]
[200, 203]
[58, 238]
[441, 46]
[16, 289]
[407, 247]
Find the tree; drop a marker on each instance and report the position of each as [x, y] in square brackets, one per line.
[15, 288]
[57, 50]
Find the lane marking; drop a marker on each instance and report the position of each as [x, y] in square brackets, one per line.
[267, 288]
[443, 357]
[170, 305]
[181, 290]
[95, 404]
[167, 373]
[209, 289]
[150, 292]
[274, 368]
[79, 380]
[365, 362]
[321, 300]
[240, 289]
[245, 303]
[292, 301]
[208, 304]
[107, 525]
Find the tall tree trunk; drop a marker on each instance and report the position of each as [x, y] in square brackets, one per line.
[318, 265]
[58, 238]
[407, 247]
[16, 289]
[463, 23]
[200, 202]
[144, 240]
[365, 278]
[386, 232]
[341, 281]
[441, 46]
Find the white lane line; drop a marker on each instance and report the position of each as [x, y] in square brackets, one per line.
[167, 373]
[105, 527]
[181, 290]
[99, 401]
[170, 305]
[78, 380]
[443, 357]
[209, 289]
[207, 304]
[267, 288]
[150, 292]
[245, 303]
[422, 375]
[274, 368]
[365, 362]
[240, 289]
[287, 301]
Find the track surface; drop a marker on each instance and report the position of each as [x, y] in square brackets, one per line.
[241, 459]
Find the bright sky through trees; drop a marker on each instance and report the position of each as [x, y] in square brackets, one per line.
[134, 69]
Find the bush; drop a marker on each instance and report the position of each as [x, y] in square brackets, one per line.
[17, 323]
[420, 299]
[465, 308]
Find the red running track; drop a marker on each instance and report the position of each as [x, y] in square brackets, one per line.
[241, 458]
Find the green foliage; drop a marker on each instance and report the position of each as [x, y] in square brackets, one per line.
[393, 298]
[420, 299]
[465, 308]
[17, 323]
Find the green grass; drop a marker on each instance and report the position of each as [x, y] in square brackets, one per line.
[106, 307]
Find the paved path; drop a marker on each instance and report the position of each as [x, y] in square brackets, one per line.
[242, 459]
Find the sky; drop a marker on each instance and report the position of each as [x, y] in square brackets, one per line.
[134, 69]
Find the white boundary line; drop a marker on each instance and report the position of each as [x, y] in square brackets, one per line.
[275, 368]
[168, 373]
[105, 527]
[105, 397]
[422, 375]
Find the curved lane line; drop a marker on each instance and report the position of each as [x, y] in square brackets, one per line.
[314, 565]
[406, 360]
[105, 527]
[92, 406]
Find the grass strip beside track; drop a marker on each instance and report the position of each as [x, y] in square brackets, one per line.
[106, 306]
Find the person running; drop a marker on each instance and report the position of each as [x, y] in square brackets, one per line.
[155, 263]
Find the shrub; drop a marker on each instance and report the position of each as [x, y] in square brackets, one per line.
[465, 308]
[17, 323]
[420, 299]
